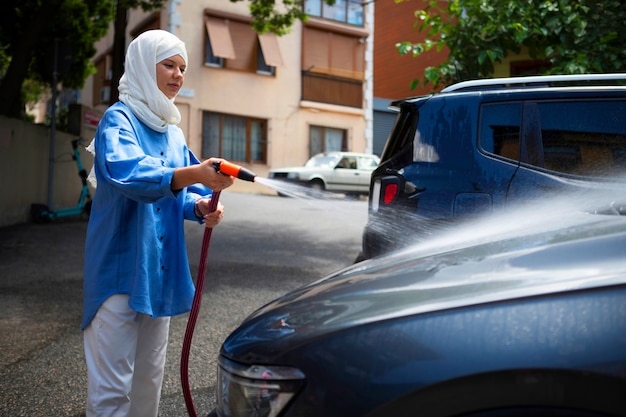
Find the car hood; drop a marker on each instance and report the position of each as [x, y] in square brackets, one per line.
[581, 251]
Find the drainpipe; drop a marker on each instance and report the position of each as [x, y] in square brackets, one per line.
[173, 17]
[53, 119]
[369, 79]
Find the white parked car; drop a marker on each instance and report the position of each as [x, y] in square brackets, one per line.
[346, 172]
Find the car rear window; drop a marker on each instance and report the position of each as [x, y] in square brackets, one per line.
[500, 129]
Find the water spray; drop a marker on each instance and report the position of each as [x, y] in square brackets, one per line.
[226, 168]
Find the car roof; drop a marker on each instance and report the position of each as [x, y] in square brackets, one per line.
[537, 81]
[520, 85]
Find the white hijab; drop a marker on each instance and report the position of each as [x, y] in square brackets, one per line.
[138, 86]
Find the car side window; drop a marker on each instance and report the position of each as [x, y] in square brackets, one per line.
[366, 163]
[500, 129]
[586, 138]
[347, 163]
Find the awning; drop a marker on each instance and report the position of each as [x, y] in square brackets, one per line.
[219, 36]
[271, 52]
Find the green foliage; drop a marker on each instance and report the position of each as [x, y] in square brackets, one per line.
[268, 18]
[80, 24]
[573, 36]
[72, 26]
[145, 5]
[29, 32]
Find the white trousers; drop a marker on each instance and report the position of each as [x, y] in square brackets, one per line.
[125, 354]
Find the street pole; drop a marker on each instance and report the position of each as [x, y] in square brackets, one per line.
[53, 122]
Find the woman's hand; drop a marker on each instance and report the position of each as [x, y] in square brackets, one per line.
[203, 173]
[210, 219]
[213, 179]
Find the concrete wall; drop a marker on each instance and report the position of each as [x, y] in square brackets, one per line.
[24, 166]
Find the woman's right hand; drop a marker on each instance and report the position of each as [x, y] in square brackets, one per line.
[203, 173]
[213, 179]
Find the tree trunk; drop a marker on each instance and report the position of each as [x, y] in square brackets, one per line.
[119, 50]
[11, 104]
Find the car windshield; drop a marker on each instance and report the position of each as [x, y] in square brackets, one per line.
[322, 161]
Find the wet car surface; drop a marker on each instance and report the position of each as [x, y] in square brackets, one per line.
[485, 145]
[515, 314]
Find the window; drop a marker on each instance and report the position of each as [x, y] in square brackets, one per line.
[347, 11]
[586, 138]
[218, 44]
[333, 64]
[230, 42]
[326, 139]
[102, 80]
[500, 129]
[583, 137]
[236, 138]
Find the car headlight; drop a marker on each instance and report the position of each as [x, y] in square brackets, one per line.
[254, 390]
[293, 175]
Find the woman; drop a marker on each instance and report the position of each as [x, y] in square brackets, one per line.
[136, 268]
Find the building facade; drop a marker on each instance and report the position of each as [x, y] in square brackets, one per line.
[262, 100]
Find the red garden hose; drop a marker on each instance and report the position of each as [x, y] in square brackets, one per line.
[193, 314]
[236, 171]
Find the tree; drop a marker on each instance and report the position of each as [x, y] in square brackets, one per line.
[32, 30]
[267, 17]
[573, 36]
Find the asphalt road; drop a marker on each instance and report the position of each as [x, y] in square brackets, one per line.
[265, 246]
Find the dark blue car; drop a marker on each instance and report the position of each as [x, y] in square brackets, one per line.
[484, 145]
[521, 313]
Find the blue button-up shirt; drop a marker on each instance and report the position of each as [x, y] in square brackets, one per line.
[135, 241]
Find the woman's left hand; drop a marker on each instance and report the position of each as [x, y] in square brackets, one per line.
[210, 219]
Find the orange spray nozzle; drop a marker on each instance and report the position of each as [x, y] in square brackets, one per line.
[228, 168]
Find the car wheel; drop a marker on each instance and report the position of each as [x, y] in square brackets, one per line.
[317, 185]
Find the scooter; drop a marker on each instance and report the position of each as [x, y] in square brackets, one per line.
[41, 213]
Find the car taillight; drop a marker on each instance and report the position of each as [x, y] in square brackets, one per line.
[384, 190]
[390, 192]
[390, 186]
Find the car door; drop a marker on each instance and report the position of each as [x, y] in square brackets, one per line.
[499, 140]
[345, 176]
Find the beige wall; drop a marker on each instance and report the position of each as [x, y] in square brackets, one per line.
[276, 99]
[24, 167]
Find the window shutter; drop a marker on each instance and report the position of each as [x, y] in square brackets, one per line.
[219, 36]
[271, 52]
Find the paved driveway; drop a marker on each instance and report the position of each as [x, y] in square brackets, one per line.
[265, 246]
